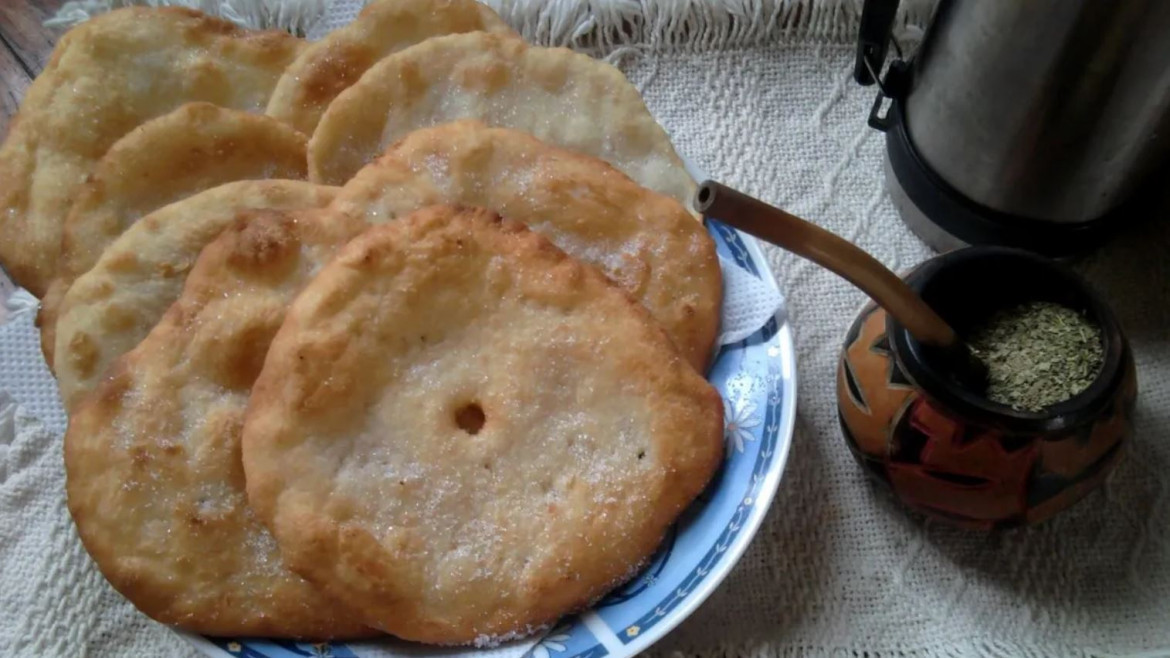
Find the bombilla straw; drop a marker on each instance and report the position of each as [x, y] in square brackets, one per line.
[832, 252]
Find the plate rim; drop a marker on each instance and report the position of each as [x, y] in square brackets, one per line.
[768, 488]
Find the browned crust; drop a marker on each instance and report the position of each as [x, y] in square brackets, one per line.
[137, 473]
[111, 308]
[80, 104]
[675, 270]
[333, 64]
[196, 147]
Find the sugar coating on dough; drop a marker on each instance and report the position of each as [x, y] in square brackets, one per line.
[329, 66]
[113, 306]
[559, 96]
[644, 241]
[107, 76]
[467, 434]
[194, 148]
[152, 454]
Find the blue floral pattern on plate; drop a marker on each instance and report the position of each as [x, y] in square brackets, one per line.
[757, 380]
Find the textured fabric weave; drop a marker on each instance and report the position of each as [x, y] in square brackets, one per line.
[837, 568]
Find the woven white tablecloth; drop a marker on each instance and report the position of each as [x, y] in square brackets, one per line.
[837, 568]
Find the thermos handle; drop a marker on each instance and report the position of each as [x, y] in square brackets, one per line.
[873, 40]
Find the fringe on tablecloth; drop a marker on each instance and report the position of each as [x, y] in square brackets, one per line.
[600, 25]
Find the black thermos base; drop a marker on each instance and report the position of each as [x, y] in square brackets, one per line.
[945, 219]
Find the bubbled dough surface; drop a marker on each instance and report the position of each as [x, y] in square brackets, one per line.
[113, 306]
[597, 434]
[194, 148]
[564, 98]
[331, 65]
[645, 242]
[107, 76]
[152, 455]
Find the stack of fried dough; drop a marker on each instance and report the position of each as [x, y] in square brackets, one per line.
[402, 331]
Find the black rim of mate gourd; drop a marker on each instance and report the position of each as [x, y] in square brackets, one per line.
[967, 285]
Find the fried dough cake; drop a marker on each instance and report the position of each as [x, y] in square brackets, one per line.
[194, 148]
[559, 96]
[152, 455]
[646, 242]
[329, 66]
[106, 77]
[114, 305]
[465, 433]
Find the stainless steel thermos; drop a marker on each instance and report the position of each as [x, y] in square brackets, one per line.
[1030, 123]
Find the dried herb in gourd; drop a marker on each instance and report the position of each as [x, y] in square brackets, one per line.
[1037, 354]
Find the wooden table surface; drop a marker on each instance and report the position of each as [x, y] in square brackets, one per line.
[25, 45]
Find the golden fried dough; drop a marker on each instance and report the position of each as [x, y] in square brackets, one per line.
[105, 77]
[112, 307]
[647, 243]
[194, 148]
[152, 455]
[465, 434]
[561, 97]
[332, 64]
